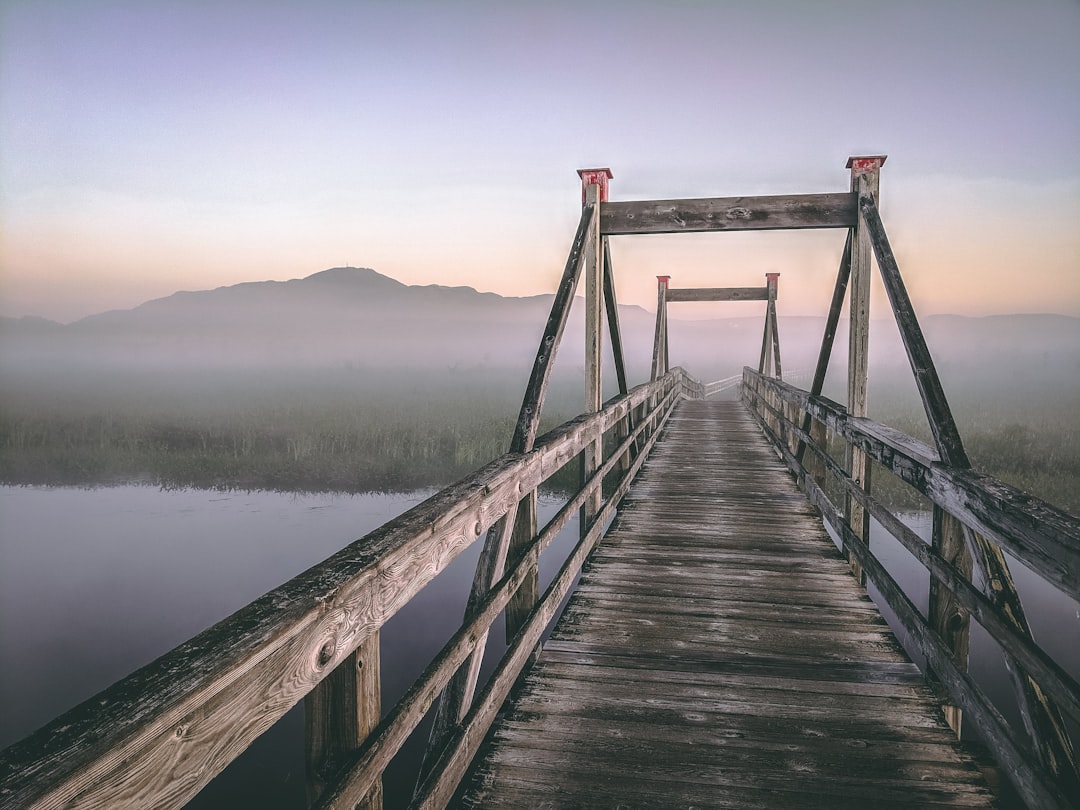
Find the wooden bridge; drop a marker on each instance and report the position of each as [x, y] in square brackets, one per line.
[718, 651]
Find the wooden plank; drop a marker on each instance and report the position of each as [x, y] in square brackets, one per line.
[660, 682]
[782, 212]
[858, 361]
[338, 714]
[719, 294]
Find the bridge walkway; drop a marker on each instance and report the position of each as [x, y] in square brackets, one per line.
[719, 653]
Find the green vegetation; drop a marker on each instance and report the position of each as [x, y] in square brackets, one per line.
[355, 430]
[1023, 432]
[331, 430]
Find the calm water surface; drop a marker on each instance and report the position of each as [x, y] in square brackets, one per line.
[95, 583]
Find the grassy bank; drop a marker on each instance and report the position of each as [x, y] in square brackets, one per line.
[350, 431]
[357, 430]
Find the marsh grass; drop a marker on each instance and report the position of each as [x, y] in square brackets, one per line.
[333, 430]
[365, 430]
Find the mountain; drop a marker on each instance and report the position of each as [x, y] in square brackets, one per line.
[358, 317]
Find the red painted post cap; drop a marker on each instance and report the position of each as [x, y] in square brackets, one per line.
[860, 164]
[772, 277]
[663, 280]
[595, 177]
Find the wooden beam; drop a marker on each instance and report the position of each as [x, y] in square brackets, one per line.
[612, 308]
[594, 344]
[825, 352]
[532, 403]
[783, 212]
[865, 176]
[938, 413]
[338, 715]
[1052, 678]
[658, 334]
[719, 294]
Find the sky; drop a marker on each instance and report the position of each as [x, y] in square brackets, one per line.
[150, 147]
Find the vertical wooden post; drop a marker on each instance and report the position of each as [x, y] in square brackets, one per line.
[594, 191]
[338, 715]
[660, 335]
[769, 364]
[948, 619]
[865, 176]
[526, 597]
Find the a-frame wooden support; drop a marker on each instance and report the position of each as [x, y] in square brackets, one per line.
[770, 342]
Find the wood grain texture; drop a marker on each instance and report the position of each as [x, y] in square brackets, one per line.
[718, 294]
[782, 212]
[717, 654]
[1039, 534]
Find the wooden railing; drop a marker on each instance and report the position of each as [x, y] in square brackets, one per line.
[157, 737]
[1042, 537]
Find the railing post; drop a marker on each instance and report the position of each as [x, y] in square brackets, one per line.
[338, 715]
[660, 355]
[946, 617]
[769, 365]
[865, 174]
[594, 184]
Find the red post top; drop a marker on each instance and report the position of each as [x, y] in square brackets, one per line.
[663, 280]
[770, 278]
[594, 177]
[862, 164]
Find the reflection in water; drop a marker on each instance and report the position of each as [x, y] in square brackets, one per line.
[95, 583]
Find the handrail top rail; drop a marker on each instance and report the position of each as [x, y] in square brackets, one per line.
[1040, 534]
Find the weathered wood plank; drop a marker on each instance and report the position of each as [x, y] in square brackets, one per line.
[782, 212]
[653, 685]
[719, 294]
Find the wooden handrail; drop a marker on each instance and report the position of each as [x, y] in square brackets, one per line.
[158, 736]
[1043, 537]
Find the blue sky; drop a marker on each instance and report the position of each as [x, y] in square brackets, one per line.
[147, 147]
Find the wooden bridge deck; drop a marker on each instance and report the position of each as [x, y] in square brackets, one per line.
[718, 653]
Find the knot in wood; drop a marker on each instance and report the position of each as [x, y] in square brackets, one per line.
[738, 213]
[326, 652]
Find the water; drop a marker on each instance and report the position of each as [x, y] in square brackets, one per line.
[95, 583]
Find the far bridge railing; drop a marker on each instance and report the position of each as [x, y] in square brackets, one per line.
[1042, 537]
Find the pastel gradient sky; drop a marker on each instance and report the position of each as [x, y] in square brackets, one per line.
[148, 147]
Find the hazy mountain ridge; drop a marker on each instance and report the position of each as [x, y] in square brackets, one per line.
[357, 316]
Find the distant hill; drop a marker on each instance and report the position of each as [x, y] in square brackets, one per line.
[358, 317]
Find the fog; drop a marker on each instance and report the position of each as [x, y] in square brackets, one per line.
[351, 363]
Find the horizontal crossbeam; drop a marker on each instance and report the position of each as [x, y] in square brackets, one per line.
[783, 212]
[719, 294]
